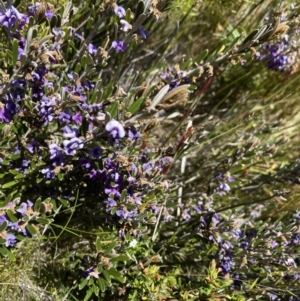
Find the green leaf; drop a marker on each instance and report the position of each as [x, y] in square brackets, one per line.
[5, 162]
[136, 105]
[10, 184]
[102, 284]
[84, 61]
[186, 64]
[11, 256]
[20, 237]
[11, 216]
[88, 295]
[37, 204]
[128, 15]
[261, 31]
[94, 97]
[3, 226]
[114, 210]
[77, 67]
[64, 202]
[44, 221]
[120, 258]
[19, 176]
[3, 251]
[90, 23]
[15, 47]
[83, 284]
[96, 290]
[110, 247]
[31, 229]
[139, 10]
[123, 195]
[58, 22]
[7, 200]
[130, 206]
[53, 22]
[98, 244]
[39, 180]
[116, 275]
[254, 283]
[60, 176]
[113, 110]
[106, 276]
[250, 37]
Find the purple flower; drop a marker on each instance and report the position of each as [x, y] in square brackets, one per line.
[34, 147]
[112, 191]
[119, 46]
[11, 17]
[96, 152]
[72, 145]
[55, 151]
[93, 175]
[143, 33]
[56, 155]
[8, 111]
[273, 297]
[92, 49]
[125, 26]
[119, 11]
[134, 134]
[13, 226]
[48, 173]
[17, 150]
[33, 9]
[70, 133]
[296, 238]
[2, 219]
[109, 164]
[185, 214]
[64, 117]
[115, 129]
[77, 118]
[78, 36]
[223, 189]
[83, 162]
[10, 240]
[25, 163]
[22, 209]
[110, 203]
[289, 262]
[48, 14]
[46, 112]
[24, 206]
[147, 167]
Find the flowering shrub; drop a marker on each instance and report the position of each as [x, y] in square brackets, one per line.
[89, 164]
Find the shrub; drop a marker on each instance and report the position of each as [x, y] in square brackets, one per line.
[126, 167]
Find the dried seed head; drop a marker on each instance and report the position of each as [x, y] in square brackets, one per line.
[252, 144]
[128, 115]
[177, 98]
[34, 46]
[147, 102]
[150, 124]
[271, 149]
[209, 70]
[40, 14]
[281, 29]
[6, 130]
